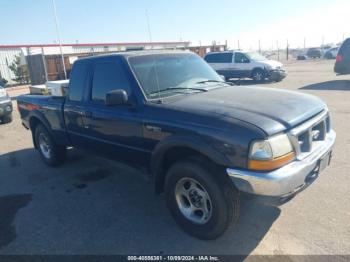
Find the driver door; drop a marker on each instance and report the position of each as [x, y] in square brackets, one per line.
[115, 131]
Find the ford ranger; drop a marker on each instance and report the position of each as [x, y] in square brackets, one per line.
[203, 140]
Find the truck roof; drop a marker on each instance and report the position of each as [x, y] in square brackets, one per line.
[137, 53]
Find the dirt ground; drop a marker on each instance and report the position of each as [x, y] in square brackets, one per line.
[95, 206]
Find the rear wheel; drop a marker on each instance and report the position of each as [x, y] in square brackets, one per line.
[201, 203]
[50, 152]
[258, 75]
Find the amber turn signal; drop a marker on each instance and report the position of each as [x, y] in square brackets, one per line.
[265, 165]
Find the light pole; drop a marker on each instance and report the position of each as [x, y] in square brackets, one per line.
[59, 37]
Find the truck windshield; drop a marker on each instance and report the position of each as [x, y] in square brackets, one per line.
[256, 56]
[162, 75]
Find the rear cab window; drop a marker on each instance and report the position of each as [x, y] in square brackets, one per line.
[78, 81]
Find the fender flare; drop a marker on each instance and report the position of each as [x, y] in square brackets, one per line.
[192, 143]
[40, 117]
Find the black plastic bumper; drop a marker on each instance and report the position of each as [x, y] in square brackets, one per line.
[5, 108]
[277, 75]
[342, 68]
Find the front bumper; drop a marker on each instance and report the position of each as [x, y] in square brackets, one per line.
[341, 68]
[276, 75]
[5, 107]
[285, 181]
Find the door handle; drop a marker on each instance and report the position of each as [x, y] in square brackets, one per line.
[86, 114]
[153, 128]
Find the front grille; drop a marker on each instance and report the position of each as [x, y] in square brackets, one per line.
[312, 133]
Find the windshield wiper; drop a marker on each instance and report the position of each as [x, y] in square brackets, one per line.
[179, 88]
[209, 81]
[214, 81]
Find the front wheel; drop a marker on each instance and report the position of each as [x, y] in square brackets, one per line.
[50, 152]
[258, 75]
[200, 202]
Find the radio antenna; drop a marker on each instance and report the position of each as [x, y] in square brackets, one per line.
[149, 29]
[154, 60]
[59, 37]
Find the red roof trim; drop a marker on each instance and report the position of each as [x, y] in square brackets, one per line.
[92, 44]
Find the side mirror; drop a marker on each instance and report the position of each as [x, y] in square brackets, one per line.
[116, 97]
[223, 77]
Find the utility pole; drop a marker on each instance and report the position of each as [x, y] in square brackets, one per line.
[238, 45]
[304, 44]
[287, 49]
[59, 37]
[278, 51]
[259, 47]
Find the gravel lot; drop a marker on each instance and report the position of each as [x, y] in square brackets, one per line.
[95, 206]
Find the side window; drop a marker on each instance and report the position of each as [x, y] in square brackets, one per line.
[211, 58]
[78, 81]
[241, 58]
[107, 77]
[226, 57]
[219, 58]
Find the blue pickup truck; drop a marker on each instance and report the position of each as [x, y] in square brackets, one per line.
[204, 141]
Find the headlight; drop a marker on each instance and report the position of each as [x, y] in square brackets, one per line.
[271, 153]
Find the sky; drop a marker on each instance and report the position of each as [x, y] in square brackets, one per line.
[198, 21]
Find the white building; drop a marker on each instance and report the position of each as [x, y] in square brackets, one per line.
[8, 53]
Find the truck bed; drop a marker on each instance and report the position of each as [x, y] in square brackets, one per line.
[48, 109]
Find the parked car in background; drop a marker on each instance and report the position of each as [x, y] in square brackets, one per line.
[302, 57]
[240, 64]
[3, 81]
[331, 53]
[5, 106]
[314, 53]
[203, 140]
[342, 62]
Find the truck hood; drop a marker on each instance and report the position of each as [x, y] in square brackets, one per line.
[272, 63]
[272, 110]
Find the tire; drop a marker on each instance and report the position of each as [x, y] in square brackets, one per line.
[222, 204]
[50, 152]
[258, 75]
[6, 119]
